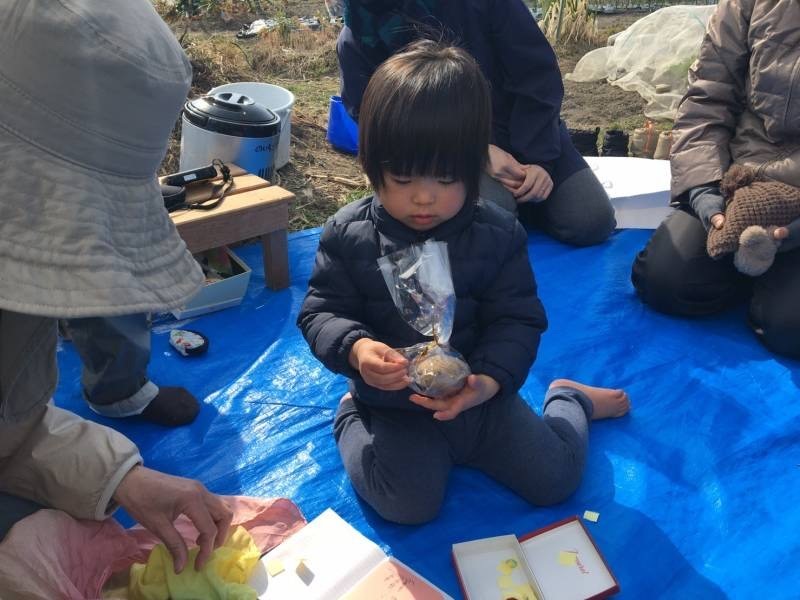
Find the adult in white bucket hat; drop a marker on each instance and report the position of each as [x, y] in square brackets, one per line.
[90, 91]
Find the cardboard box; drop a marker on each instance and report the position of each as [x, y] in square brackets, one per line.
[217, 295]
[328, 559]
[558, 562]
[637, 187]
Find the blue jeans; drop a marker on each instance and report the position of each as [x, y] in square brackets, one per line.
[115, 352]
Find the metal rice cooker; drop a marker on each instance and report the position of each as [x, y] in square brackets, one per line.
[232, 128]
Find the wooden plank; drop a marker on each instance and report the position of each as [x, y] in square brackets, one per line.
[236, 170]
[275, 248]
[235, 203]
[251, 209]
[224, 229]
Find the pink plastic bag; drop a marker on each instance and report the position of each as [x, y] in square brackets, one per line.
[52, 555]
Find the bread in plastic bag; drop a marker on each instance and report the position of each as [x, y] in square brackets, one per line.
[419, 280]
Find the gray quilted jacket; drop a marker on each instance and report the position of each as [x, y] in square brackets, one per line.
[743, 101]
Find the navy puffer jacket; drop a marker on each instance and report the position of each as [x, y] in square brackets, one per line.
[514, 55]
[499, 318]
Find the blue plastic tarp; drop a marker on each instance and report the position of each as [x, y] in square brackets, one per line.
[698, 489]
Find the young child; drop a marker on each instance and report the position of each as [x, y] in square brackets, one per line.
[424, 133]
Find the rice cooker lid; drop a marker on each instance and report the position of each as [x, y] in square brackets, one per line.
[233, 114]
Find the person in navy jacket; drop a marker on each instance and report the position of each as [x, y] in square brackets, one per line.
[425, 126]
[534, 169]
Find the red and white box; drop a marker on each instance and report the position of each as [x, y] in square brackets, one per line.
[558, 562]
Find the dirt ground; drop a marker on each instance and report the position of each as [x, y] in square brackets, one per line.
[590, 105]
[304, 62]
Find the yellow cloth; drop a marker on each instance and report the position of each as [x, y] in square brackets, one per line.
[225, 575]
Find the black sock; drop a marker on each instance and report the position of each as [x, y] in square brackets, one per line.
[172, 407]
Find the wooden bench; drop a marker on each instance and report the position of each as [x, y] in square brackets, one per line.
[252, 209]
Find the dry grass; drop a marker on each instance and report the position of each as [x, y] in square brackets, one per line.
[210, 12]
[313, 162]
[299, 54]
[578, 25]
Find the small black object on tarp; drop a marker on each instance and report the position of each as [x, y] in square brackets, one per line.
[188, 342]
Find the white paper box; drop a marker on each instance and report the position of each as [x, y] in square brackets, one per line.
[637, 187]
[479, 562]
[338, 562]
[218, 294]
[560, 562]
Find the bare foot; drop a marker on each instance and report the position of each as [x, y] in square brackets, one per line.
[607, 402]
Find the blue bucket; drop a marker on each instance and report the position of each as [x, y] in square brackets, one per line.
[342, 129]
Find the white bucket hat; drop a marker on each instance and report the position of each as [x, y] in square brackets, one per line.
[89, 92]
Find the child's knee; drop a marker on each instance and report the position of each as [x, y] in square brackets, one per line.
[401, 499]
[404, 504]
[554, 485]
[407, 510]
[554, 492]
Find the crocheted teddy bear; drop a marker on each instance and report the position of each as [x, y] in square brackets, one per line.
[754, 207]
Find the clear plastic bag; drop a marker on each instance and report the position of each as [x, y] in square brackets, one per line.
[421, 286]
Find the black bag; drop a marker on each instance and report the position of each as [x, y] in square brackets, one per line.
[174, 196]
[173, 190]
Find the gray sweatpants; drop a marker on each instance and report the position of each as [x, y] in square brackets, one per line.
[115, 352]
[399, 461]
[578, 211]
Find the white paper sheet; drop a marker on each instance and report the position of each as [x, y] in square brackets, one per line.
[335, 557]
[336, 554]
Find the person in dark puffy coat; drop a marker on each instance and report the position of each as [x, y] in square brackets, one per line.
[533, 168]
[425, 125]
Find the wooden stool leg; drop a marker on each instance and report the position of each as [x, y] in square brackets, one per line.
[276, 259]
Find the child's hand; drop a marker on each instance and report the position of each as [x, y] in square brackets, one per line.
[380, 366]
[788, 237]
[780, 233]
[477, 390]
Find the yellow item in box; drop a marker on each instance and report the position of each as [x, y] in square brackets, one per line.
[225, 575]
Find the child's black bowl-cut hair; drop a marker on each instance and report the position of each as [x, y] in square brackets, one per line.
[427, 112]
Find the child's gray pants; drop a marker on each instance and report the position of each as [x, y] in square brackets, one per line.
[399, 460]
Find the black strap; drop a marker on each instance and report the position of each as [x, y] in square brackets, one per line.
[221, 188]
